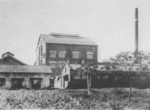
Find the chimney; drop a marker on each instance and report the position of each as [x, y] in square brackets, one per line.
[136, 36]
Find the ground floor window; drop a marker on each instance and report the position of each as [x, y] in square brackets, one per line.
[61, 63]
[52, 64]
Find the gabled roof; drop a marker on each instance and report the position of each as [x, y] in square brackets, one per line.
[66, 39]
[75, 66]
[11, 57]
[24, 69]
[71, 66]
[56, 71]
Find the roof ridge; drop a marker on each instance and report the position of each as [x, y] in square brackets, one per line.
[14, 59]
[44, 34]
[64, 34]
[66, 39]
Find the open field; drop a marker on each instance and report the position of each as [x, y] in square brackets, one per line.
[106, 98]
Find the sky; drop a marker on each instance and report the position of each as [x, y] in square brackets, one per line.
[109, 23]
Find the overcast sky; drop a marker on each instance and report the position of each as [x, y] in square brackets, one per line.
[110, 23]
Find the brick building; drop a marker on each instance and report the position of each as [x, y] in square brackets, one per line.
[57, 49]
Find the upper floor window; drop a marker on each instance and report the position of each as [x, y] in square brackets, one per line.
[62, 54]
[39, 51]
[75, 55]
[65, 69]
[53, 54]
[41, 62]
[89, 55]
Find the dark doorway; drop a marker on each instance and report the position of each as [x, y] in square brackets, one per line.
[2, 81]
[52, 82]
[17, 83]
[36, 83]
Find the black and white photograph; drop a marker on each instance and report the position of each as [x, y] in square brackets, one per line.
[75, 54]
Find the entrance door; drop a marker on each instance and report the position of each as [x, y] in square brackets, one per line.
[51, 82]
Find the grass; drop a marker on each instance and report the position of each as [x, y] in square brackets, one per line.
[106, 98]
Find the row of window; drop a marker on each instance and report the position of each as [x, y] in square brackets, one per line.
[75, 55]
[62, 54]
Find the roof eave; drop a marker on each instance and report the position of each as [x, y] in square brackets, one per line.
[70, 44]
[39, 41]
[29, 72]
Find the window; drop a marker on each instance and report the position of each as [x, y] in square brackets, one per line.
[62, 54]
[61, 64]
[65, 69]
[52, 64]
[89, 55]
[75, 55]
[41, 62]
[53, 54]
[41, 50]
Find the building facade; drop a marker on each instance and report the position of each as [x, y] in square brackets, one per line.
[57, 49]
[15, 74]
[66, 77]
[24, 76]
[70, 76]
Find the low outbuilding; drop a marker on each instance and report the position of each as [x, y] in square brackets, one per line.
[15, 74]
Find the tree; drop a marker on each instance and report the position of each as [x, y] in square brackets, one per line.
[89, 70]
[125, 63]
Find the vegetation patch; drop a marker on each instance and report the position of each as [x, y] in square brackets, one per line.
[106, 98]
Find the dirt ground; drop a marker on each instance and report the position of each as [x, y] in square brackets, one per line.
[102, 99]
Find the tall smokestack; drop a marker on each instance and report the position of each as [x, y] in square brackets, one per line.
[136, 36]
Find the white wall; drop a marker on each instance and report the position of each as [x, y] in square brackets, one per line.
[41, 42]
